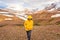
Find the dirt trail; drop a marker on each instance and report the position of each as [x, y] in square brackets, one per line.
[10, 32]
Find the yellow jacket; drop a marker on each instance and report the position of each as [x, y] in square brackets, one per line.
[28, 25]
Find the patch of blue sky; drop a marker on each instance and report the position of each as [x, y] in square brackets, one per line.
[3, 4]
[12, 1]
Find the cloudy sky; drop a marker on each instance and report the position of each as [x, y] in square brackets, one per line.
[21, 4]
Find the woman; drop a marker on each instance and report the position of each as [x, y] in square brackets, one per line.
[28, 26]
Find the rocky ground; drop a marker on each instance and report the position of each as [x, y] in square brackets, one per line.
[13, 32]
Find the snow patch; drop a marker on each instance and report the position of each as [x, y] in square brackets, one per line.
[56, 15]
[8, 19]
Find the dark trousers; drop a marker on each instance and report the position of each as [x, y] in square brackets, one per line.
[28, 34]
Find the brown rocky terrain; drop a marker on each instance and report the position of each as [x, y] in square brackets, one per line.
[44, 17]
[12, 32]
[45, 28]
